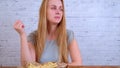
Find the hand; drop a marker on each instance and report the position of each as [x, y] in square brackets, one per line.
[19, 27]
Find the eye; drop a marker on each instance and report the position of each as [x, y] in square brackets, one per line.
[53, 8]
[61, 9]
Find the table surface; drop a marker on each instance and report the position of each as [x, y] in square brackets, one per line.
[93, 67]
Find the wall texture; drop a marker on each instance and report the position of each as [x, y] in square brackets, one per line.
[96, 25]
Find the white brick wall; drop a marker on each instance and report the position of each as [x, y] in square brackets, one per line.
[96, 24]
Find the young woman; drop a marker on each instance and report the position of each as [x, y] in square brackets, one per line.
[51, 42]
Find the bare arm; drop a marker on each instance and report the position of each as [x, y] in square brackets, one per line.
[75, 53]
[27, 51]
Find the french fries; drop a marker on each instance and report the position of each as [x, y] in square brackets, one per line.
[46, 65]
[30, 65]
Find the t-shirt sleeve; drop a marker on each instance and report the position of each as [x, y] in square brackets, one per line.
[70, 36]
[31, 37]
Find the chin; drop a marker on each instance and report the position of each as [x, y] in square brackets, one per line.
[57, 22]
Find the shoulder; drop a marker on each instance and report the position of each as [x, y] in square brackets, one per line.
[70, 36]
[31, 37]
[69, 32]
[33, 33]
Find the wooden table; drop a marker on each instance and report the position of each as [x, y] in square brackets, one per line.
[73, 67]
[93, 67]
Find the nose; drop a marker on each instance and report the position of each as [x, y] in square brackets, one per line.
[57, 11]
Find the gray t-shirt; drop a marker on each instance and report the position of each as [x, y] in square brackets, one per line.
[50, 53]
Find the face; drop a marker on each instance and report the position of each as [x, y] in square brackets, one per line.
[54, 11]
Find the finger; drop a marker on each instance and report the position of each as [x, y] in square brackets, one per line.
[19, 25]
[22, 26]
[16, 23]
[19, 21]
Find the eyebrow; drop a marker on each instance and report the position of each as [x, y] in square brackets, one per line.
[55, 5]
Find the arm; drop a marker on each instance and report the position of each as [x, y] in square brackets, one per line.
[27, 51]
[75, 53]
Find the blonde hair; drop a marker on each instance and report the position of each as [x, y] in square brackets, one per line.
[42, 33]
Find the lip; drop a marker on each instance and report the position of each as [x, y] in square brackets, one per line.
[57, 17]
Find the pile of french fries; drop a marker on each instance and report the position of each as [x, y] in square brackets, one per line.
[45, 65]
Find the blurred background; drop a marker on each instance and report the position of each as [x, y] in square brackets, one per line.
[96, 25]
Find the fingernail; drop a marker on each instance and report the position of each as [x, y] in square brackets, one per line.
[22, 26]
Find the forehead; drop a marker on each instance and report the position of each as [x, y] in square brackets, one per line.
[55, 2]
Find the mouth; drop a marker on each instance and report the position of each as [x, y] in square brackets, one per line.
[57, 17]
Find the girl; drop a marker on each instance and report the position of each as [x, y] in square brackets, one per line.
[51, 42]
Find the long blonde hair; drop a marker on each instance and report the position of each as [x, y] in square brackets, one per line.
[42, 33]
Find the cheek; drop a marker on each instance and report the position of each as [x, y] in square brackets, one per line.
[61, 14]
[50, 13]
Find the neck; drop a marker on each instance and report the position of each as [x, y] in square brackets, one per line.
[51, 30]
